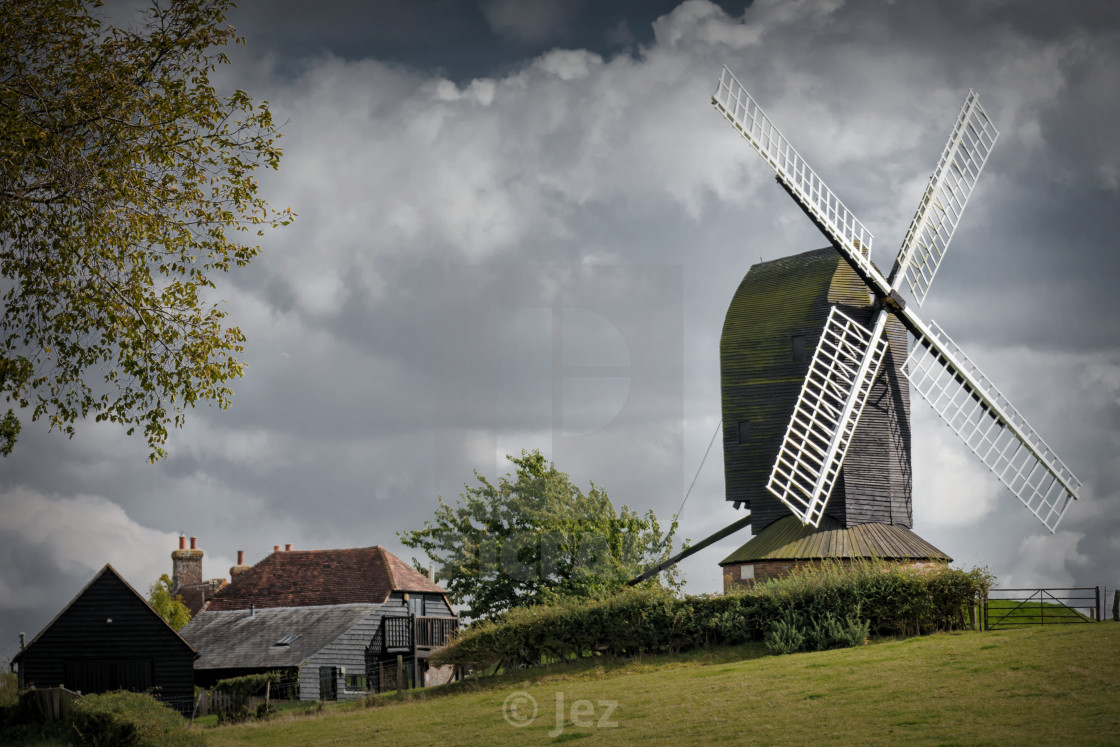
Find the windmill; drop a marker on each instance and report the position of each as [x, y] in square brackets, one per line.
[865, 319]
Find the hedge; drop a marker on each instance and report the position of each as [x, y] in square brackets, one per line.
[882, 598]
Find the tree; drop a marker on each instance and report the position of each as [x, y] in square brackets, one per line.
[126, 183]
[169, 606]
[535, 537]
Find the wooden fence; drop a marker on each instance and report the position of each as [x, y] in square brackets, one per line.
[209, 702]
[53, 702]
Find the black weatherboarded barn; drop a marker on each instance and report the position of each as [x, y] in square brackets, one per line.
[110, 638]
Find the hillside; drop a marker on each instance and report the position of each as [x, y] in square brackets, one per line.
[1048, 685]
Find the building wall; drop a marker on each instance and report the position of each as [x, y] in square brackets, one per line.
[347, 651]
[766, 570]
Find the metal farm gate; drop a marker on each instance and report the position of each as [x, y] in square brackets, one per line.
[1012, 608]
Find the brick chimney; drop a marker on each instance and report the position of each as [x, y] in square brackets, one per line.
[240, 568]
[186, 565]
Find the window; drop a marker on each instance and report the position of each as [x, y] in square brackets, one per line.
[356, 682]
[798, 348]
[287, 640]
[746, 572]
[744, 431]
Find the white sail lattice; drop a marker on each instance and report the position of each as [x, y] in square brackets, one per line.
[836, 387]
[733, 101]
[946, 195]
[991, 426]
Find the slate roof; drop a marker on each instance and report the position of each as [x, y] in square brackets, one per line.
[238, 639]
[788, 539]
[305, 578]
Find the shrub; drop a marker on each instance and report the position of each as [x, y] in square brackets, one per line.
[785, 635]
[239, 689]
[128, 718]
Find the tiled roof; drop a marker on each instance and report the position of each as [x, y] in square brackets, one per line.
[195, 595]
[236, 638]
[788, 539]
[303, 578]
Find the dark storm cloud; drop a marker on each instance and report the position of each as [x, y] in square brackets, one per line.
[463, 40]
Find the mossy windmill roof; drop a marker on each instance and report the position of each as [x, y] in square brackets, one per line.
[788, 539]
[792, 292]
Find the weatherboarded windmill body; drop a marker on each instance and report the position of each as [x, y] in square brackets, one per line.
[816, 375]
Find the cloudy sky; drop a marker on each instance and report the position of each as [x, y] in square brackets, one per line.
[520, 225]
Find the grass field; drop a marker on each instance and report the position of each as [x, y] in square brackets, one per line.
[1051, 685]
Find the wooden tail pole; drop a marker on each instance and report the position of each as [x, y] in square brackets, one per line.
[726, 531]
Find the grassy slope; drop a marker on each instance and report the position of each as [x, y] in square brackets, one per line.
[1048, 685]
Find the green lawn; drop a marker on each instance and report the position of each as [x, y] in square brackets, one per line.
[1050, 685]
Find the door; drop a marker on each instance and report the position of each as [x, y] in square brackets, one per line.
[105, 675]
[328, 683]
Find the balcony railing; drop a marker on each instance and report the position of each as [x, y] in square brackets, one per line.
[416, 632]
[433, 632]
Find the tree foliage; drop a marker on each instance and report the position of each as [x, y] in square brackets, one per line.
[536, 537]
[126, 185]
[169, 606]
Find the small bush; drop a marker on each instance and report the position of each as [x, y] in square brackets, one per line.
[785, 635]
[239, 689]
[128, 718]
[793, 633]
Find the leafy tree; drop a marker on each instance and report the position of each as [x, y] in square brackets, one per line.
[536, 537]
[126, 183]
[169, 606]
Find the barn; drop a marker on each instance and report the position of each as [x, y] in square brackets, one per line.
[109, 638]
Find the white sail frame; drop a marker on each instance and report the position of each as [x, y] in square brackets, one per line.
[972, 406]
[945, 198]
[836, 387]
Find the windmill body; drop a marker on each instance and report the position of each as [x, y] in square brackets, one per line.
[773, 324]
[839, 484]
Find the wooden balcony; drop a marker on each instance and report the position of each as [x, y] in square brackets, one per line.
[416, 634]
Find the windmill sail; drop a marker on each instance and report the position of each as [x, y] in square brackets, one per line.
[836, 387]
[975, 409]
[841, 225]
[847, 359]
[945, 198]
